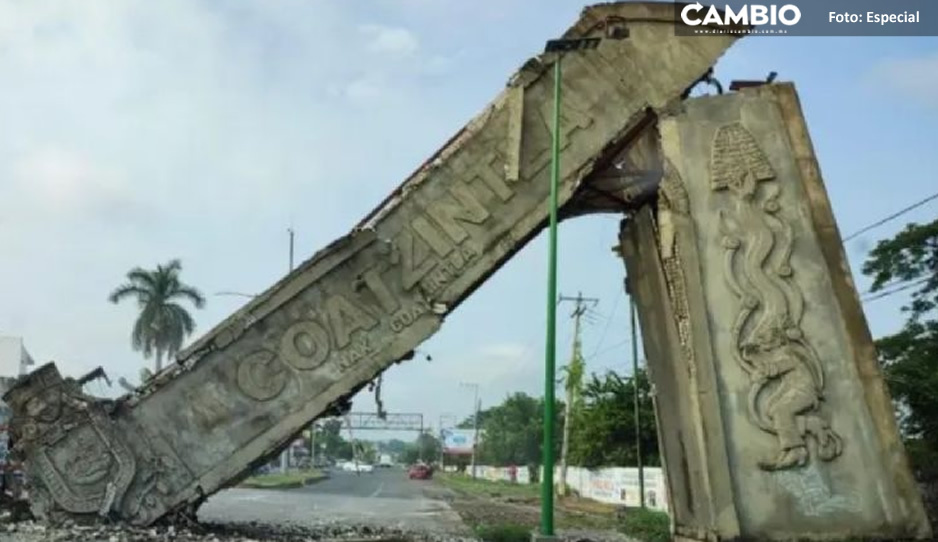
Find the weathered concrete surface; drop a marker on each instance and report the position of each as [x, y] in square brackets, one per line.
[775, 422]
[363, 303]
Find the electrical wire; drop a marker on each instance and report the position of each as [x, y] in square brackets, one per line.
[602, 336]
[895, 215]
[896, 290]
[611, 348]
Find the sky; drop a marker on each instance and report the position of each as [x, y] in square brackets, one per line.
[136, 132]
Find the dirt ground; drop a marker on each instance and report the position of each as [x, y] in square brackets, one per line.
[488, 504]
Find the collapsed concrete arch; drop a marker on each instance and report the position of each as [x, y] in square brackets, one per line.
[774, 421]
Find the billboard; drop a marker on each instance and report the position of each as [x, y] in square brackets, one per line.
[457, 441]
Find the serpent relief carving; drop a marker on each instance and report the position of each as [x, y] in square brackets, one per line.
[786, 375]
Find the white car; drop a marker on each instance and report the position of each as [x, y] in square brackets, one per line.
[353, 466]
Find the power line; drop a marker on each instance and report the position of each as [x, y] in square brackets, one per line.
[891, 217]
[896, 290]
[602, 337]
[611, 348]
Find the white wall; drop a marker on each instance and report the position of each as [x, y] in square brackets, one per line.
[613, 485]
[618, 485]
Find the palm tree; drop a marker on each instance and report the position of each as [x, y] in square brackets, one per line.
[163, 323]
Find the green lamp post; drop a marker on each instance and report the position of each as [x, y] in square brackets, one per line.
[559, 47]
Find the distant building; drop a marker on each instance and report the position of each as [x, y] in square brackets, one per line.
[14, 359]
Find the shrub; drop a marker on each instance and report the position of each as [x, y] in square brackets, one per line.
[506, 532]
[647, 525]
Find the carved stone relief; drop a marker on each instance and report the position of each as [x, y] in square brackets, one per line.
[79, 462]
[785, 372]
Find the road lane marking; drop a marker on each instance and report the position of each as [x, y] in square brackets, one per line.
[377, 491]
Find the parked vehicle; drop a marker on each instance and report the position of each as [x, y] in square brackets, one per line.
[420, 472]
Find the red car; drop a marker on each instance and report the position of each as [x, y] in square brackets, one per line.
[420, 472]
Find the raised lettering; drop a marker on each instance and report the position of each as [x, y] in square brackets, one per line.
[407, 316]
[345, 318]
[449, 269]
[385, 298]
[572, 118]
[492, 180]
[431, 234]
[261, 375]
[305, 345]
[355, 353]
[413, 257]
[448, 212]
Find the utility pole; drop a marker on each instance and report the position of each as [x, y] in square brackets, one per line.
[312, 445]
[475, 423]
[287, 454]
[443, 439]
[290, 231]
[637, 402]
[351, 438]
[574, 376]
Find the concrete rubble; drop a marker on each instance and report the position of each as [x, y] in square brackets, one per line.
[29, 531]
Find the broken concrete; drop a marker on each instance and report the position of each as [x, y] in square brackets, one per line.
[245, 389]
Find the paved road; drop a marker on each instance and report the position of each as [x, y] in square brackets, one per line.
[390, 483]
[384, 497]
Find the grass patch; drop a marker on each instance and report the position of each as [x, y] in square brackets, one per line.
[505, 532]
[488, 488]
[647, 525]
[283, 480]
[504, 506]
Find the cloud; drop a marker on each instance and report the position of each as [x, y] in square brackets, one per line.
[393, 41]
[67, 182]
[490, 365]
[914, 78]
[363, 89]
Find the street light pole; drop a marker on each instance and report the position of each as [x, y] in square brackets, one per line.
[547, 451]
[547, 483]
[636, 406]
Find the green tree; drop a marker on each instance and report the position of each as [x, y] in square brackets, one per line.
[909, 358]
[426, 447]
[329, 441]
[604, 430]
[512, 432]
[163, 323]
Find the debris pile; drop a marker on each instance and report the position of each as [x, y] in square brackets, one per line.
[31, 531]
